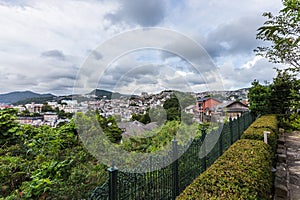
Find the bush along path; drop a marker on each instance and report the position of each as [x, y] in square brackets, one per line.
[244, 170]
[287, 179]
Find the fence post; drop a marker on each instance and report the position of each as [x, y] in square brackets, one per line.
[203, 135]
[113, 183]
[231, 130]
[249, 119]
[175, 177]
[239, 129]
[150, 183]
[221, 141]
[244, 120]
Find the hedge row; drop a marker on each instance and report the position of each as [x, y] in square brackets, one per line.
[264, 123]
[242, 172]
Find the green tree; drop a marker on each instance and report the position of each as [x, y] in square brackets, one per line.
[143, 118]
[112, 131]
[282, 92]
[172, 108]
[110, 128]
[295, 96]
[172, 103]
[158, 115]
[173, 114]
[259, 97]
[47, 108]
[8, 126]
[282, 32]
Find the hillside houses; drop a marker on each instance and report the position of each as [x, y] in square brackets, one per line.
[205, 108]
[212, 109]
[202, 108]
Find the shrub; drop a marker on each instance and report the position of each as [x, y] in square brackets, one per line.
[264, 123]
[290, 122]
[242, 172]
[258, 134]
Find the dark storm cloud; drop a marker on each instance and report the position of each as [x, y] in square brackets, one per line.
[97, 55]
[145, 74]
[237, 37]
[147, 80]
[142, 12]
[196, 80]
[54, 54]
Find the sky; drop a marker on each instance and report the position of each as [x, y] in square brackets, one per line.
[131, 46]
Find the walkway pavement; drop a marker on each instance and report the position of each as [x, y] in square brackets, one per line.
[287, 177]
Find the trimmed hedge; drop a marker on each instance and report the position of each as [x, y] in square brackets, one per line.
[242, 172]
[264, 123]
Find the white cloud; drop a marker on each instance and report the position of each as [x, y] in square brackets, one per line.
[44, 43]
[258, 68]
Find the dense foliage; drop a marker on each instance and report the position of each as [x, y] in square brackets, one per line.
[280, 97]
[160, 137]
[282, 33]
[110, 128]
[259, 97]
[242, 172]
[44, 162]
[143, 118]
[290, 123]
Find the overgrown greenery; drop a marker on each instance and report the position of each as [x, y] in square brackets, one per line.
[44, 162]
[242, 172]
[110, 128]
[160, 137]
[290, 122]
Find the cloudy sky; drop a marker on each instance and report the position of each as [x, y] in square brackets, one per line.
[55, 46]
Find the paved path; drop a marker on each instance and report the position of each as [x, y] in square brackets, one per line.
[287, 179]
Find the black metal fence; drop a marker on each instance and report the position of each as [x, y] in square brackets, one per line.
[170, 180]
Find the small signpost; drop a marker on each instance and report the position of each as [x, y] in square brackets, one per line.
[266, 136]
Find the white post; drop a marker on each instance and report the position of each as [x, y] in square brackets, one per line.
[266, 136]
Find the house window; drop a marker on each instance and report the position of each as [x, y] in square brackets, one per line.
[200, 105]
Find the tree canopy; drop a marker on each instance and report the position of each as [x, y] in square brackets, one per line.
[282, 32]
[280, 97]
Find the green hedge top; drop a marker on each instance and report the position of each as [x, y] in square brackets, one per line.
[266, 121]
[258, 134]
[242, 172]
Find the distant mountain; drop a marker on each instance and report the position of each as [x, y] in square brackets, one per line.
[14, 97]
[109, 95]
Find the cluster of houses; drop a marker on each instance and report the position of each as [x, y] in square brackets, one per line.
[125, 107]
[36, 116]
[204, 109]
[211, 109]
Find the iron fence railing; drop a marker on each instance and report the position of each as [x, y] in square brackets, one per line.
[169, 181]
